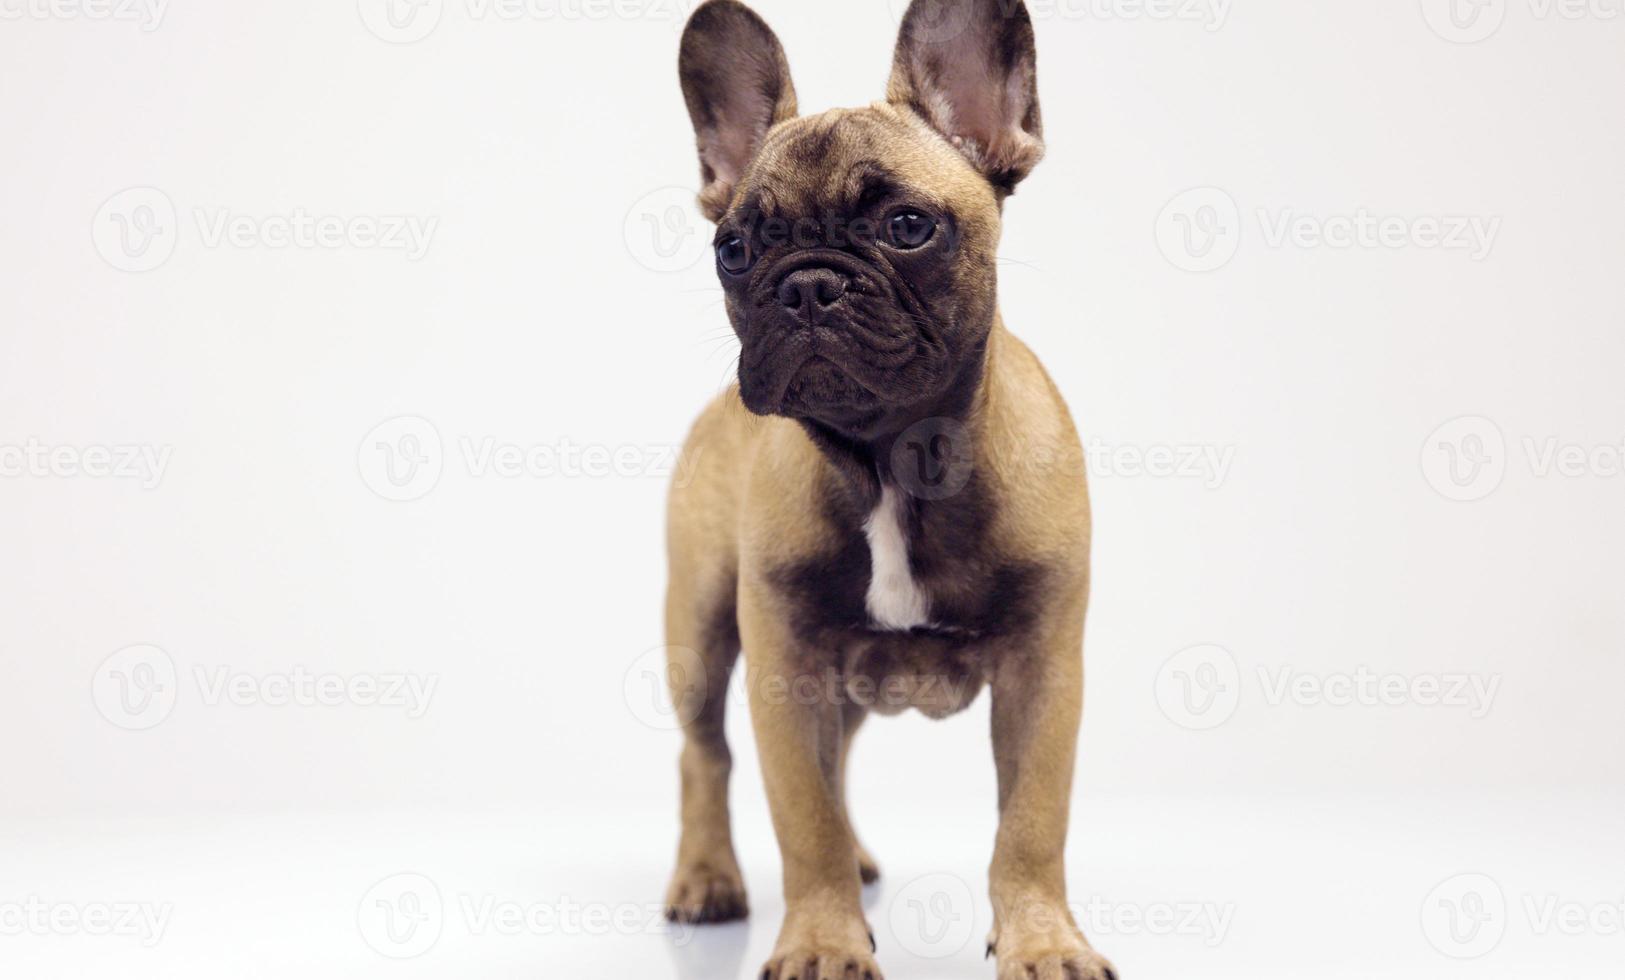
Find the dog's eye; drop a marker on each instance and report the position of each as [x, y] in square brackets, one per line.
[733, 255]
[910, 229]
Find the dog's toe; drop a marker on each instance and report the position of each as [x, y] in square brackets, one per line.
[868, 870]
[703, 895]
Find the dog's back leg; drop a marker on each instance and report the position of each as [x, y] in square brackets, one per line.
[702, 638]
[703, 645]
[852, 716]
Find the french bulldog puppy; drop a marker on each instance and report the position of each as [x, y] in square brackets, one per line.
[889, 511]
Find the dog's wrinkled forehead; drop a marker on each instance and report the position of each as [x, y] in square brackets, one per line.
[845, 160]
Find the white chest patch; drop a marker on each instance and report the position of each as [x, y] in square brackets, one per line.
[895, 600]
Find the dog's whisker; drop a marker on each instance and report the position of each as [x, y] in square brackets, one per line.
[1009, 261]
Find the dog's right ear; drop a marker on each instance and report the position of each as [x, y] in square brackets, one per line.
[969, 68]
[737, 85]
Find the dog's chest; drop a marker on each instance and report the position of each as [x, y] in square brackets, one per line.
[895, 600]
[909, 571]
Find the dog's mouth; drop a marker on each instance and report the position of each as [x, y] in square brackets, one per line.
[819, 379]
[820, 386]
[862, 351]
[798, 380]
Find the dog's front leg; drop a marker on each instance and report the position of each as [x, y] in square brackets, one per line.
[796, 713]
[1037, 708]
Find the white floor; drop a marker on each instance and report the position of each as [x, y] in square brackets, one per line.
[1287, 889]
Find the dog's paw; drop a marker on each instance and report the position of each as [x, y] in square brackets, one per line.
[829, 951]
[1057, 963]
[704, 894]
[821, 964]
[1045, 945]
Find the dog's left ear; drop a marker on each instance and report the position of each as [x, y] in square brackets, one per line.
[736, 82]
[970, 68]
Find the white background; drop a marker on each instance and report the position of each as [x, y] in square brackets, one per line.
[545, 150]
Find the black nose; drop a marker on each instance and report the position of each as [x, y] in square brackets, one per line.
[812, 289]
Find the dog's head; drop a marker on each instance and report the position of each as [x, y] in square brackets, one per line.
[856, 248]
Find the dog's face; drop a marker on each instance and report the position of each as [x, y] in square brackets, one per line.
[858, 266]
[856, 248]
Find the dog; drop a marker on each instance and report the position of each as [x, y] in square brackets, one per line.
[892, 510]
